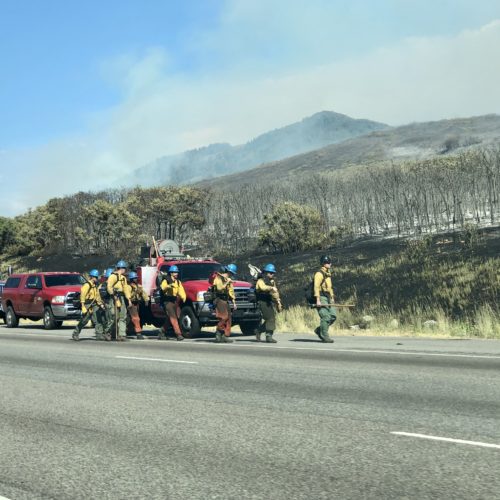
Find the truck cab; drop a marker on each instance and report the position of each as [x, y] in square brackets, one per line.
[197, 312]
[46, 296]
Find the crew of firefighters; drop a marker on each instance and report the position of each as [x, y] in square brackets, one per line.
[113, 302]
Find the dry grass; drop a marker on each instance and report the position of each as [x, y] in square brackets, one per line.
[428, 323]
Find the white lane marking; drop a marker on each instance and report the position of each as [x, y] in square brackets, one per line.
[373, 351]
[448, 440]
[3, 498]
[158, 359]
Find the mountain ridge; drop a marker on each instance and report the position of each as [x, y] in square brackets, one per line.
[310, 133]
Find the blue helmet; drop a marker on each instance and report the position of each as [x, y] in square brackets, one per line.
[108, 272]
[121, 264]
[94, 273]
[269, 268]
[232, 268]
[173, 269]
[132, 275]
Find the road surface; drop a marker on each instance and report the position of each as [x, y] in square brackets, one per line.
[381, 418]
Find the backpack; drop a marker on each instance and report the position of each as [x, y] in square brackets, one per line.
[160, 277]
[309, 290]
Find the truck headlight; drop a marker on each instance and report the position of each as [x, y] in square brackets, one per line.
[58, 299]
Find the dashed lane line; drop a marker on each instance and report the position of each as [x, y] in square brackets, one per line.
[448, 440]
[162, 360]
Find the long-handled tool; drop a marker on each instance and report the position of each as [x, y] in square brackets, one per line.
[333, 305]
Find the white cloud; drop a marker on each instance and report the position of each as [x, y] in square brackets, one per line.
[165, 112]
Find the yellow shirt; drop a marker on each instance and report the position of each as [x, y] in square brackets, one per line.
[174, 289]
[323, 283]
[137, 293]
[224, 286]
[117, 283]
[90, 293]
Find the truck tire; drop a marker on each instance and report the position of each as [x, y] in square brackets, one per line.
[11, 320]
[59, 323]
[49, 322]
[190, 326]
[249, 327]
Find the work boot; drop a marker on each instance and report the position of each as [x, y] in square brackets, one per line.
[162, 335]
[140, 336]
[75, 336]
[327, 339]
[227, 340]
[218, 337]
[100, 338]
[269, 339]
[317, 331]
[107, 337]
[257, 336]
[180, 337]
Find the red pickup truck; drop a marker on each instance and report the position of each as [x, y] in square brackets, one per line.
[46, 296]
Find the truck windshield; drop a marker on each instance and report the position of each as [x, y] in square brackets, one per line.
[64, 280]
[194, 271]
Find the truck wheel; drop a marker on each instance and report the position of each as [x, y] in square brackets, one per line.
[11, 320]
[249, 327]
[58, 324]
[49, 323]
[190, 326]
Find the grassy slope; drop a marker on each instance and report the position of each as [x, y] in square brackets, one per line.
[457, 287]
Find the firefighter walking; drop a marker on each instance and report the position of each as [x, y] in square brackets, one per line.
[138, 296]
[323, 294]
[118, 289]
[269, 302]
[92, 308]
[172, 292]
[224, 293]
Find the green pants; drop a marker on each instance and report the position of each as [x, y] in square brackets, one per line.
[91, 314]
[327, 316]
[268, 315]
[120, 320]
[109, 318]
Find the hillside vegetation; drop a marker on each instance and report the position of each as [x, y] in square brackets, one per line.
[311, 133]
[413, 275]
[417, 141]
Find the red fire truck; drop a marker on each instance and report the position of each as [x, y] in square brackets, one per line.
[194, 273]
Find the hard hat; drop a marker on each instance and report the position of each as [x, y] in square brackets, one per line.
[108, 272]
[173, 269]
[121, 264]
[232, 268]
[132, 275]
[94, 273]
[269, 268]
[324, 259]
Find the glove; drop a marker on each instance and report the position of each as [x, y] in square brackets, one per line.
[84, 309]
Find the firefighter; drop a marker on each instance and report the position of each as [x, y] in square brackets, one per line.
[118, 289]
[323, 294]
[172, 292]
[137, 296]
[91, 302]
[224, 292]
[268, 299]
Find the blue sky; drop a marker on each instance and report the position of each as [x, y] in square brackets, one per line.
[106, 86]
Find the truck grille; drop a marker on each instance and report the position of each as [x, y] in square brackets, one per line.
[245, 297]
[72, 301]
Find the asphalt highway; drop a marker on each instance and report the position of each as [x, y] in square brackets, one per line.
[363, 418]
